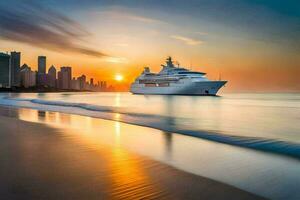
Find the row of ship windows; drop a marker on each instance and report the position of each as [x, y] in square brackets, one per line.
[162, 85]
[157, 81]
[157, 84]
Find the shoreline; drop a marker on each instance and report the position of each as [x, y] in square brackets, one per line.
[273, 146]
[38, 157]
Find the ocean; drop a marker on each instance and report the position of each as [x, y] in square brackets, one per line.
[251, 141]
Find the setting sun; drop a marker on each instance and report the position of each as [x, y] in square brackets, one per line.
[118, 77]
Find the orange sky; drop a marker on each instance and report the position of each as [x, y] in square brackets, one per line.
[245, 73]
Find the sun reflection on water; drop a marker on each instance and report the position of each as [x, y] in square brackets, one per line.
[118, 133]
[126, 172]
[117, 144]
[118, 100]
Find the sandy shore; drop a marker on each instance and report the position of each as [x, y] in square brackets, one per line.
[38, 162]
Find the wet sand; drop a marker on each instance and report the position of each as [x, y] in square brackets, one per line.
[40, 162]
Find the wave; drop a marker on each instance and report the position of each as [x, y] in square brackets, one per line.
[263, 144]
[164, 123]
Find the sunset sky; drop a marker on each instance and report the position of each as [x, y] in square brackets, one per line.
[254, 44]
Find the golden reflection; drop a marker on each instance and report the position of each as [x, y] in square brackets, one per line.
[126, 171]
[28, 115]
[127, 174]
[129, 180]
[118, 100]
[117, 132]
[51, 117]
[64, 118]
[117, 116]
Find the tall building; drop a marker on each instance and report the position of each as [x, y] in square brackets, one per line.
[75, 84]
[82, 82]
[5, 78]
[92, 81]
[15, 60]
[65, 77]
[27, 77]
[43, 80]
[42, 65]
[103, 85]
[52, 76]
[59, 80]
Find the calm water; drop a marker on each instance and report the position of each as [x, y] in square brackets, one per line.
[252, 120]
[271, 116]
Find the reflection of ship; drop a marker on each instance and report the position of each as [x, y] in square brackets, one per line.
[175, 80]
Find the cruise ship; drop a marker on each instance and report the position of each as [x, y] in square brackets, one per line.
[175, 80]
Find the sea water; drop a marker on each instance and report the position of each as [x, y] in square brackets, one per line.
[261, 132]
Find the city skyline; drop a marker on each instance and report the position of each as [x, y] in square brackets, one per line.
[16, 76]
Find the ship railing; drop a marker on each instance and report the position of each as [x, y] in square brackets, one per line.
[158, 81]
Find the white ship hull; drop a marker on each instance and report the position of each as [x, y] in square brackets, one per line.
[192, 88]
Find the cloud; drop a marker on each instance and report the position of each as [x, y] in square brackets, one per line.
[118, 13]
[116, 60]
[142, 19]
[186, 40]
[122, 44]
[41, 27]
[201, 33]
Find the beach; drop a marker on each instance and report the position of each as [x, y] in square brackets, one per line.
[42, 162]
[149, 100]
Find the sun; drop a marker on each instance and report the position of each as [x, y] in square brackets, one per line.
[118, 77]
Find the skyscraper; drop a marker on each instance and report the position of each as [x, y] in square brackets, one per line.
[82, 81]
[42, 65]
[65, 77]
[52, 76]
[5, 75]
[15, 60]
[27, 76]
[75, 84]
[42, 77]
